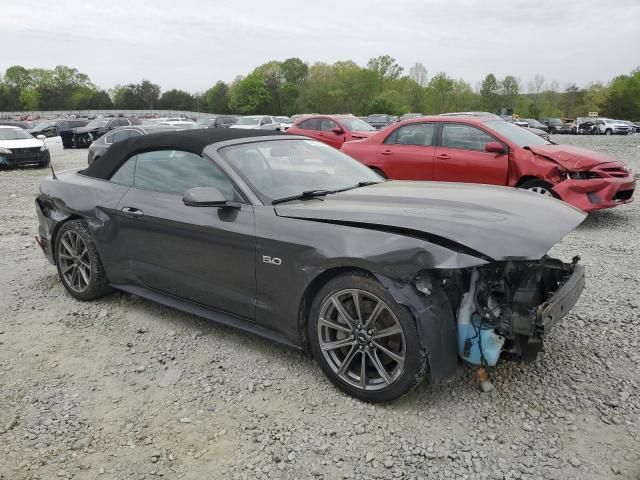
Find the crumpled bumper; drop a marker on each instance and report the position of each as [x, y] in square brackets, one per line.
[550, 312]
[596, 193]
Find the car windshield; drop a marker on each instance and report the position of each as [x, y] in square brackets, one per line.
[377, 118]
[355, 124]
[14, 134]
[284, 120]
[555, 121]
[516, 134]
[248, 121]
[279, 169]
[43, 125]
[97, 123]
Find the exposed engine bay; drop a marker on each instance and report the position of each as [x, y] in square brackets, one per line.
[506, 308]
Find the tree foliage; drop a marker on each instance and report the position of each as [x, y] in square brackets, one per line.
[293, 86]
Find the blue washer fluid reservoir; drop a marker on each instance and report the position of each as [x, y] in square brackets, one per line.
[469, 335]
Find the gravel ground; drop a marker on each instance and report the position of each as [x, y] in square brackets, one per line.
[125, 389]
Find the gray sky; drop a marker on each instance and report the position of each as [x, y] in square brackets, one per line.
[191, 44]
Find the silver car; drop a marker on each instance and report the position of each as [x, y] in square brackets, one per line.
[263, 122]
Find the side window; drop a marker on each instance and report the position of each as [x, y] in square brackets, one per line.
[415, 134]
[174, 172]
[119, 135]
[465, 137]
[134, 133]
[327, 125]
[49, 132]
[311, 124]
[124, 122]
[124, 175]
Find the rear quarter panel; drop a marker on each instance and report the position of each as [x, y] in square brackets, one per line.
[74, 195]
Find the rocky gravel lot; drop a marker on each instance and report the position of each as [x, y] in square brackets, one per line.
[125, 389]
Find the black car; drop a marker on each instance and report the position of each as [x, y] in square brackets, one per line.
[379, 120]
[386, 282]
[555, 125]
[84, 136]
[533, 123]
[102, 144]
[216, 121]
[58, 128]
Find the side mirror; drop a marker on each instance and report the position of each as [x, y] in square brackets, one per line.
[41, 137]
[494, 147]
[337, 130]
[206, 197]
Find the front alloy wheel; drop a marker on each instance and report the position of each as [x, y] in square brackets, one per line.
[364, 341]
[365, 348]
[540, 187]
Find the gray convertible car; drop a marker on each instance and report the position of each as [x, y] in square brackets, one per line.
[385, 282]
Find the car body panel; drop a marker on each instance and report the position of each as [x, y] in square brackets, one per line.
[451, 211]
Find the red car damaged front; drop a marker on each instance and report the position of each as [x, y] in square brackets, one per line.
[585, 179]
[491, 151]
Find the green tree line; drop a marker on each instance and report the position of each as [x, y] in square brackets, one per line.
[293, 86]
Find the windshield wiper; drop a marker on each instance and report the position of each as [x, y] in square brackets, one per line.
[358, 185]
[307, 194]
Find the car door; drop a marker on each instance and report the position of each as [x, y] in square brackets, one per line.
[407, 153]
[311, 128]
[202, 254]
[461, 157]
[328, 136]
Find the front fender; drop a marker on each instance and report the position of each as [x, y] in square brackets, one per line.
[435, 321]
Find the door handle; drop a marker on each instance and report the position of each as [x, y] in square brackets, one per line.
[443, 155]
[131, 212]
[386, 152]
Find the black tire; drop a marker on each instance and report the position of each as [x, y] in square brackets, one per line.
[537, 186]
[91, 279]
[400, 379]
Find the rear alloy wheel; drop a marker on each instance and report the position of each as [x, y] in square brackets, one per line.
[539, 186]
[78, 262]
[364, 342]
[608, 132]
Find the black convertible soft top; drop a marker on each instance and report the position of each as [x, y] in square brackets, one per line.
[193, 141]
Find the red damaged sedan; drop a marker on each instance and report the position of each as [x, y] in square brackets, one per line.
[333, 130]
[491, 151]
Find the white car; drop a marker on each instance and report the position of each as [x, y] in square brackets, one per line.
[186, 124]
[607, 126]
[285, 123]
[19, 147]
[263, 122]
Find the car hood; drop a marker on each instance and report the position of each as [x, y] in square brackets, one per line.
[85, 129]
[21, 143]
[500, 223]
[572, 158]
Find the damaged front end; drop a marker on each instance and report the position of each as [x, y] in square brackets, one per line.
[505, 309]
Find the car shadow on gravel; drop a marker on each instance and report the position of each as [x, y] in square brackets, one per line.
[605, 219]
